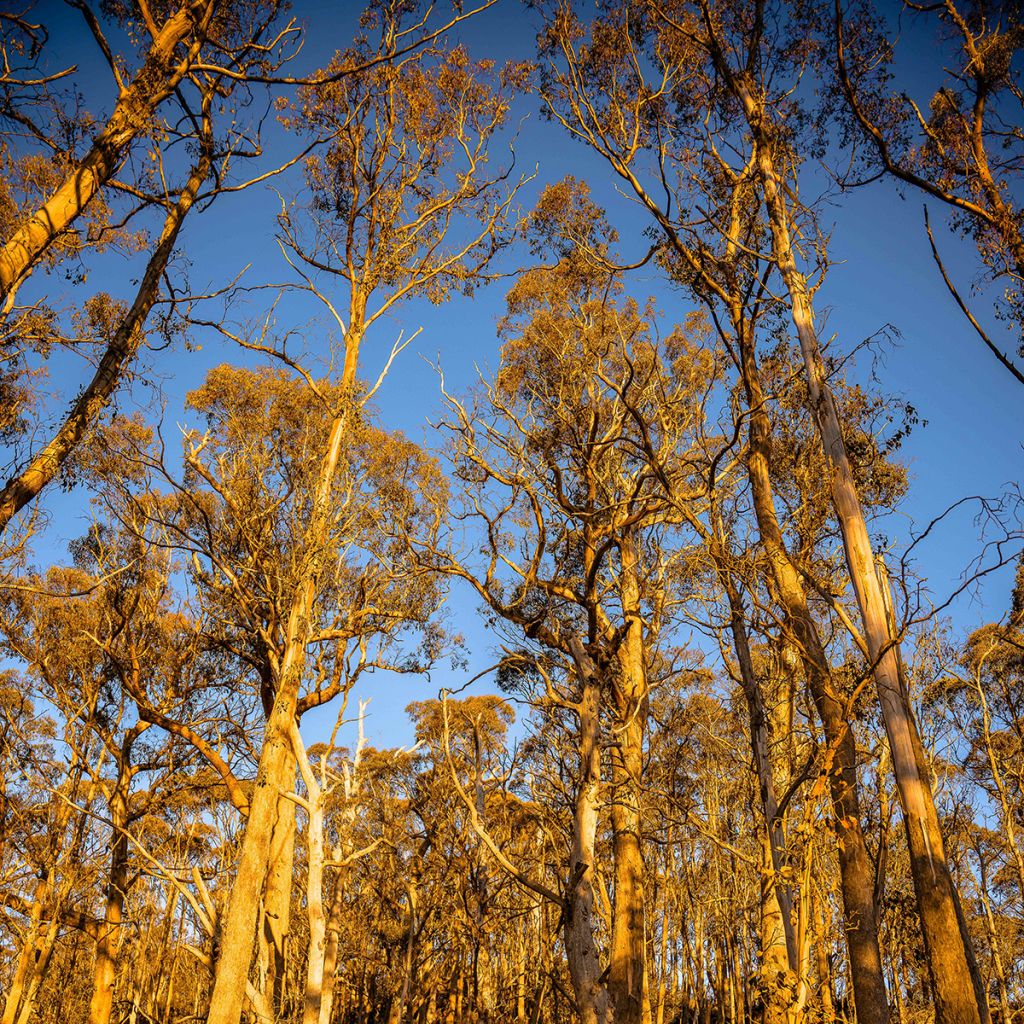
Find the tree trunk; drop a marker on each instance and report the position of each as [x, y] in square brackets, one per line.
[102, 1001]
[29, 952]
[856, 875]
[315, 911]
[826, 996]
[121, 350]
[331, 950]
[957, 1000]
[133, 114]
[44, 951]
[581, 950]
[777, 977]
[277, 900]
[994, 944]
[483, 970]
[760, 741]
[627, 974]
[240, 919]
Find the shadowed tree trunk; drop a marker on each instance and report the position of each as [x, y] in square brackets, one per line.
[121, 350]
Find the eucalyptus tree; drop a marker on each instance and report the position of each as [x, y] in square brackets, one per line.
[183, 98]
[626, 85]
[708, 85]
[551, 458]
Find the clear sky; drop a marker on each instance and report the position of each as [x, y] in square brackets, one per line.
[974, 410]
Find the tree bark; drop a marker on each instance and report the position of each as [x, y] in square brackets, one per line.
[856, 875]
[627, 974]
[121, 350]
[581, 950]
[330, 973]
[108, 939]
[277, 901]
[240, 919]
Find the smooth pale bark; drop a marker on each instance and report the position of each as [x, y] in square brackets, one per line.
[627, 972]
[314, 807]
[581, 952]
[333, 930]
[949, 950]
[857, 880]
[160, 74]
[121, 350]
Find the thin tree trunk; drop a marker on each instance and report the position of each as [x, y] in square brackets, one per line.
[29, 952]
[109, 937]
[777, 980]
[483, 981]
[331, 950]
[581, 950]
[826, 997]
[44, 951]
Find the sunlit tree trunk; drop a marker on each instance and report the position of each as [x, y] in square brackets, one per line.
[120, 352]
[856, 873]
[109, 937]
[240, 919]
[43, 953]
[627, 974]
[581, 950]
[314, 896]
[35, 935]
[484, 994]
[277, 900]
[994, 943]
[957, 1000]
[159, 75]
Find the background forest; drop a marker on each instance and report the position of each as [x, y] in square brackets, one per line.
[512, 512]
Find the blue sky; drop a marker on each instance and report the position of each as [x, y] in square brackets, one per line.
[883, 275]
